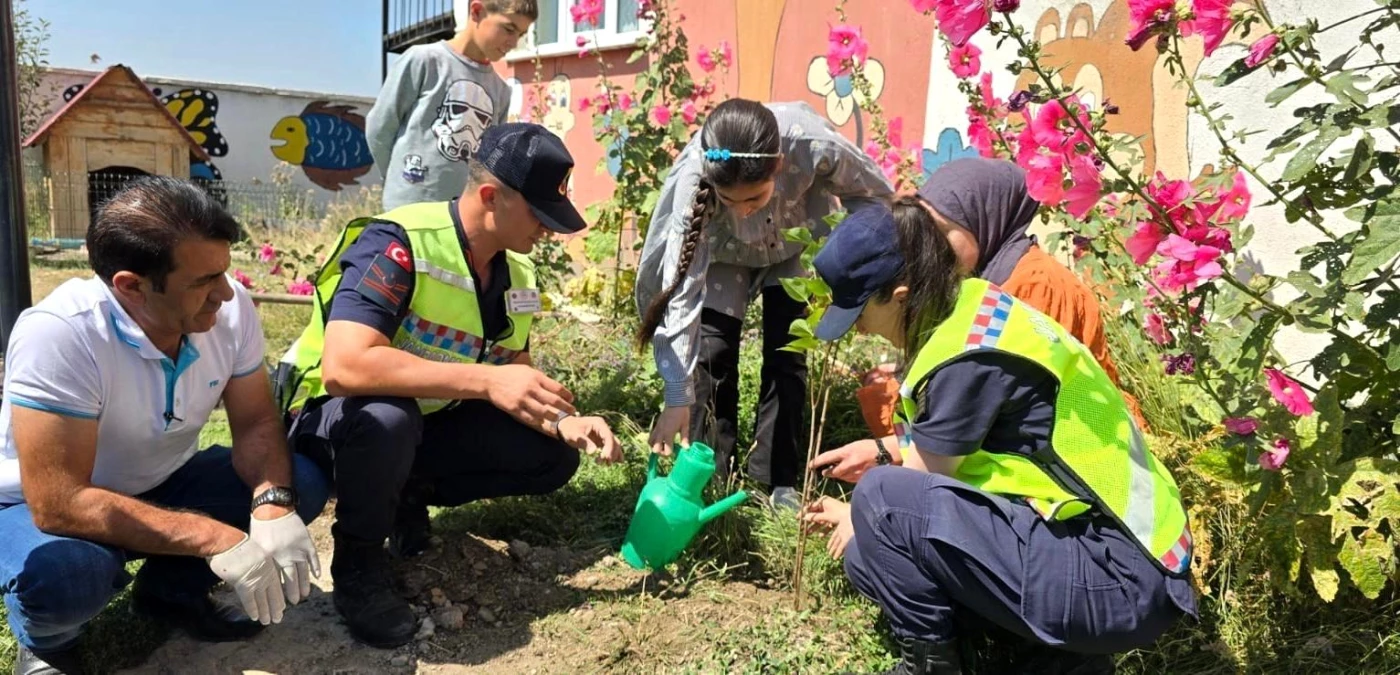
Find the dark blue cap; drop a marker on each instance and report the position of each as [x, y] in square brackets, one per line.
[859, 258]
[531, 160]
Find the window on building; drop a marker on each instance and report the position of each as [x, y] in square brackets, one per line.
[555, 32]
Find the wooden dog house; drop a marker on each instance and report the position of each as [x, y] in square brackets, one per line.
[113, 130]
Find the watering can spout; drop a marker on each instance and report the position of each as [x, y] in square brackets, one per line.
[718, 508]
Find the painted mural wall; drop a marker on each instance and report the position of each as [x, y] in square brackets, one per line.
[248, 131]
[779, 45]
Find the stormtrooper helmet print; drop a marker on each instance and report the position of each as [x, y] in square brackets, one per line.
[465, 113]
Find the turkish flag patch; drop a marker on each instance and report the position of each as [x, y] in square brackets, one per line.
[397, 253]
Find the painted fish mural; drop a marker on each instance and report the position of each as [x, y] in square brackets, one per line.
[327, 142]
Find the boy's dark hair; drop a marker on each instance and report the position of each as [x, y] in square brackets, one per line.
[530, 8]
[737, 125]
[138, 229]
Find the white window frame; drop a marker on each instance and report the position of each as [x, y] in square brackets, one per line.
[603, 39]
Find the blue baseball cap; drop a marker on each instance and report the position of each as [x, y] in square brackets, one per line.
[859, 258]
[531, 160]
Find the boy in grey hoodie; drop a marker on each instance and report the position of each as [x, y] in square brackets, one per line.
[437, 101]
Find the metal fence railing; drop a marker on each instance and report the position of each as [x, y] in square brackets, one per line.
[410, 22]
[61, 205]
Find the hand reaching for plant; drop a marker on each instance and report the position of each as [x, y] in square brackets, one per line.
[833, 514]
[673, 421]
[848, 462]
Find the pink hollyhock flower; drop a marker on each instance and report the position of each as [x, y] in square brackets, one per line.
[965, 61]
[1006, 6]
[242, 278]
[585, 103]
[300, 287]
[1183, 249]
[1288, 392]
[1241, 426]
[624, 102]
[1144, 241]
[726, 53]
[689, 112]
[979, 133]
[586, 11]
[1234, 204]
[923, 6]
[705, 59]
[872, 150]
[661, 115]
[582, 43]
[1177, 275]
[1086, 186]
[266, 253]
[1262, 50]
[1272, 459]
[961, 19]
[1148, 18]
[1054, 128]
[1211, 21]
[1156, 328]
[894, 132]
[1045, 177]
[845, 47]
[276, 269]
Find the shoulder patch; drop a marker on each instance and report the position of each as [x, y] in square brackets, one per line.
[397, 253]
[385, 283]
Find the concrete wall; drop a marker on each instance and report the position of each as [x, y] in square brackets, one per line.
[248, 130]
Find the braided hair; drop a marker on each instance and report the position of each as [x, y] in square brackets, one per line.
[734, 132]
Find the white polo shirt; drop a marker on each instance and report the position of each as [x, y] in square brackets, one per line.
[78, 354]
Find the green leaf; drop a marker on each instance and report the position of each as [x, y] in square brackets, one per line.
[1381, 244]
[1223, 463]
[1310, 491]
[1392, 357]
[1256, 346]
[1362, 157]
[1320, 551]
[796, 288]
[1305, 160]
[636, 55]
[1277, 531]
[1343, 86]
[1233, 72]
[800, 328]
[1366, 557]
[801, 345]
[1279, 95]
[1320, 434]
[599, 246]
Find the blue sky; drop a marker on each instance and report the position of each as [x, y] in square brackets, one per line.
[318, 45]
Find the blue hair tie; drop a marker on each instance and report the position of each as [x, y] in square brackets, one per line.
[724, 154]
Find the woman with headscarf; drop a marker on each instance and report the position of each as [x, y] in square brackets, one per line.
[983, 208]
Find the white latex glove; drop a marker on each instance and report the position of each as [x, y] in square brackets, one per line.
[253, 575]
[289, 545]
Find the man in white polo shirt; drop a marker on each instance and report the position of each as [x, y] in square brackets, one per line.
[108, 382]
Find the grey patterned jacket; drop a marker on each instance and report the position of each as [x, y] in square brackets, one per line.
[738, 257]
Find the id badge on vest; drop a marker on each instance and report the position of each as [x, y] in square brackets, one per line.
[523, 301]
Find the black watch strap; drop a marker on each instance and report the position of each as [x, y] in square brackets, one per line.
[277, 495]
[882, 454]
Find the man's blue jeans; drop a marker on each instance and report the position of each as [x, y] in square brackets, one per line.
[54, 585]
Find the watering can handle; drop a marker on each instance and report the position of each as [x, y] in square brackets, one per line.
[651, 466]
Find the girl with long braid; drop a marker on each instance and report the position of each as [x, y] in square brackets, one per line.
[715, 243]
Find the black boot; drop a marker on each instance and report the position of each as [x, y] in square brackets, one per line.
[196, 613]
[413, 531]
[1046, 660]
[365, 596]
[922, 657]
[60, 662]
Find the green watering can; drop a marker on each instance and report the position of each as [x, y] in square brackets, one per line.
[670, 509]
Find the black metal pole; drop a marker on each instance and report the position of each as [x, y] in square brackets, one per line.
[14, 242]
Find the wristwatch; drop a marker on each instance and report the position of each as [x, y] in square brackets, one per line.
[277, 495]
[882, 456]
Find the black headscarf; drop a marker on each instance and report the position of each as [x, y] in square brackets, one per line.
[988, 198]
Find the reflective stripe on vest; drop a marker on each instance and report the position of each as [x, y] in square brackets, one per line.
[1097, 458]
[443, 322]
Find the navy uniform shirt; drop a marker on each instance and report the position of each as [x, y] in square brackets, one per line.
[377, 281]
